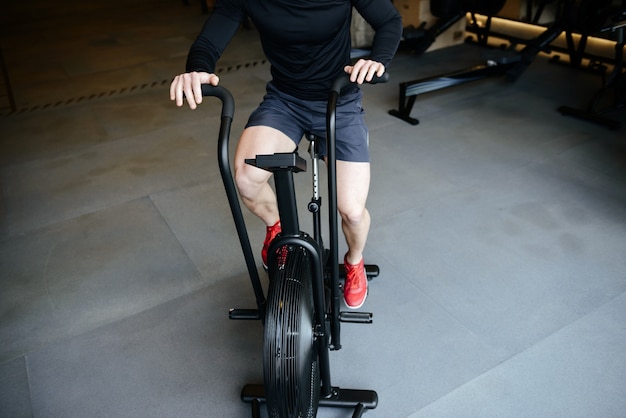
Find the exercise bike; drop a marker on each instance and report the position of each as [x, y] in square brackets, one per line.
[301, 314]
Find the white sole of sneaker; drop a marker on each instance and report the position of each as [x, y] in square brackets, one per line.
[361, 304]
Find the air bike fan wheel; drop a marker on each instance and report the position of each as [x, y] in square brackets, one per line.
[290, 369]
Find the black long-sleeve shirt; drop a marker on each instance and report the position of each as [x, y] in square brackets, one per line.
[307, 42]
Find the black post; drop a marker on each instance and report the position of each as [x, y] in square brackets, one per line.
[228, 110]
[286, 199]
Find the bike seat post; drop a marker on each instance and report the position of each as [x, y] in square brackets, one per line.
[286, 198]
[314, 153]
[316, 201]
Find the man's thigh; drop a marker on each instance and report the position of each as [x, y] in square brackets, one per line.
[260, 140]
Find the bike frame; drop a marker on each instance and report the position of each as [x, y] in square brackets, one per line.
[327, 318]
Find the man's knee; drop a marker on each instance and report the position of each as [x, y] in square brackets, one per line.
[353, 214]
[248, 182]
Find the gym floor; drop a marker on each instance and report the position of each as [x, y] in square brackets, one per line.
[498, 224]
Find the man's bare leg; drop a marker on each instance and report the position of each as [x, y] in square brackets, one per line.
[353, 180]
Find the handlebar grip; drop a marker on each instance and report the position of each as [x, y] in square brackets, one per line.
[228, 103]
[344, 80]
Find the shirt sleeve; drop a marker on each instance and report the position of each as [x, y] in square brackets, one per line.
[215, 35]
[387, 24]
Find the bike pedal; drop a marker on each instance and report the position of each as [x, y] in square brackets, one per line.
[356, 317]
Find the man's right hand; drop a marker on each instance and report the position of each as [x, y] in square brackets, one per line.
[187, 86]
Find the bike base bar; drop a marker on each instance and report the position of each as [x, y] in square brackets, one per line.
[339, 398]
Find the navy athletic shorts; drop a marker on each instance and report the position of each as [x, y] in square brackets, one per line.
[295, 117]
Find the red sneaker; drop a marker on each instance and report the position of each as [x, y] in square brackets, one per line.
[272, 231]
[355, 288]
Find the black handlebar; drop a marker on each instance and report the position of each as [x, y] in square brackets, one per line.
[228, 103]
[331, 117]
[344, 80]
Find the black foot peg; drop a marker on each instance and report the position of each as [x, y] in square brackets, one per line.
[244, 314]
[356, 317]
